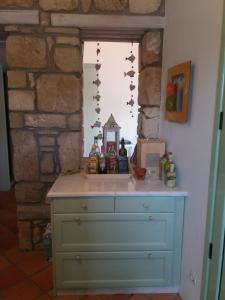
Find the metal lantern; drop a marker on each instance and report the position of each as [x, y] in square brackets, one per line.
[112, 129]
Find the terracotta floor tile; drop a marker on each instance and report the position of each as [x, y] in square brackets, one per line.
[91, 297]
[15, 255]
[25, 290]
[43, 297]
[10, 276]
[9, 219]
[8, 243]
[4, 231]
[178, 297]
[68, 297]
[164, 296]
[115, 297]
[44, 279]
[3, 262]
[7, 200]
[139, 297]
[8, 239]
[34, 263]
[65, 297]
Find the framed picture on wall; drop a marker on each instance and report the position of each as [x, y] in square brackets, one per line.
[177, 93]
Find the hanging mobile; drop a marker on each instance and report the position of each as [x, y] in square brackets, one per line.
[97, 82]
[131, 73]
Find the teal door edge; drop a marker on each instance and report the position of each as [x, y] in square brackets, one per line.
[220, 107]
[5, 182]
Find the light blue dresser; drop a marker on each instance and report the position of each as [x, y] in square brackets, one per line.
[112, 241]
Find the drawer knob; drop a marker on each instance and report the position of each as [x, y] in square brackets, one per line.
[145, 205]
[84, 206]
[151, 218]
[78, 220]
[78, 258]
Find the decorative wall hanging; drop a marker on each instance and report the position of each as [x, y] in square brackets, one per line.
[97, 97]
[131, 73]
[177, 92]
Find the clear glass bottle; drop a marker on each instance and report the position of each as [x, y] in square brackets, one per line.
[96, 145]
[102, 161]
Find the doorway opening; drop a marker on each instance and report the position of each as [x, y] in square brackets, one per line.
[116, 74]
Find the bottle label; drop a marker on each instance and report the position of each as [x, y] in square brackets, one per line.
[92, 165]
[112, 164]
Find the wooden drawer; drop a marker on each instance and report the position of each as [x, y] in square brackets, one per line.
[144, 204]
[125, 269]
[114, 232]
[84, 205]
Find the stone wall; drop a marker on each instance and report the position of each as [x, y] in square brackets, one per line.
[155, 7]
[149, 93]
[45, 113]
[45, 98]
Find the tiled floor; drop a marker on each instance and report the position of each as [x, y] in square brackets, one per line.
[27, 275]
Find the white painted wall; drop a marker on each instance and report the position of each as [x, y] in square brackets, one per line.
[89, 105]
[193, 31]
[114, 88]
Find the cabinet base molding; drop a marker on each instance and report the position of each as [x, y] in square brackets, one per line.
[112, 291]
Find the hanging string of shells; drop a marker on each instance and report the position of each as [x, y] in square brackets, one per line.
[97, 97]
[131, 73]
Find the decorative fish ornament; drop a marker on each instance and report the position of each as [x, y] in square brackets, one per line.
[131, 102]
[98, 67]
[97, 97]
[132, 87]
[96, 125]
[97, 82]
[100, 137]
[131, 58]
[98, 51]
[98, 110]
[130, 73]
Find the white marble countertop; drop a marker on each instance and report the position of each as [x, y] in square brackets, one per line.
[77, 185]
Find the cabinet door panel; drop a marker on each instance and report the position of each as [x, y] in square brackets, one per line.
[144, 204]
[126, 269]
[110, 232]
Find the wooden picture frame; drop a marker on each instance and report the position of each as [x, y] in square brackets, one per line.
[149, 152]
[177, 93]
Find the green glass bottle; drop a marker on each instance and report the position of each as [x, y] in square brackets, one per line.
[122, 159]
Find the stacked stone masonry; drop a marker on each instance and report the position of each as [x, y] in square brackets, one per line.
[149, 95]
[44, 70]
[44, 100]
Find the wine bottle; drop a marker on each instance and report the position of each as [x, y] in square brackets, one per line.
[123, 150]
